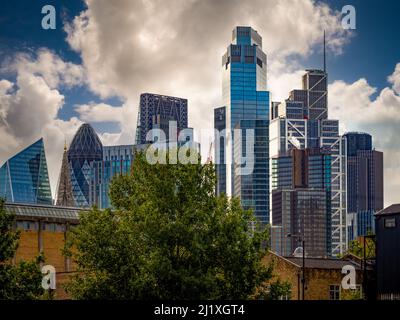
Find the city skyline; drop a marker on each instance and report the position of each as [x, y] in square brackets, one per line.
[67, 89]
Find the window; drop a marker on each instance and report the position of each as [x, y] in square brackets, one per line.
[334, 292]
[390, 222]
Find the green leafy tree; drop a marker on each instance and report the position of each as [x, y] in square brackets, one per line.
[21, 281]
[169, 237]
[279, 290]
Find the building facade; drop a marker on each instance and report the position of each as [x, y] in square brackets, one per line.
[302, 122]
[245, 107]
[156, 112]
[117, 160]
[85, 148]
[44, 229]
[387, 252]
[65, 198]
[323, 277]
[24, 178]
[301, 202]
[364, 184]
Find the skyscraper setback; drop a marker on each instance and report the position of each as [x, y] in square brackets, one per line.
[245, 107]
[301, 122]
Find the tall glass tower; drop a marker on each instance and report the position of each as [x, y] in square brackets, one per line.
[245, 107]
[24, 178]
[364, 184]
[85, 148]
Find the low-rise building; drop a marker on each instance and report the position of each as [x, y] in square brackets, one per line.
[387, 252]
[323, 277]
[44, 230]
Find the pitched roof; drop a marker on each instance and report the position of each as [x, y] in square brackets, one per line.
[393, 209]
[322, 263]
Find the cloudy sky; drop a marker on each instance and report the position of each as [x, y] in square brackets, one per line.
[104, 53]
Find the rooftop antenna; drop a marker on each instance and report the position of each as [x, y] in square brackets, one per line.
[324, 53]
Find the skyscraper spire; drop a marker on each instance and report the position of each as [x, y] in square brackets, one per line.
[324, 52]
[64, 192]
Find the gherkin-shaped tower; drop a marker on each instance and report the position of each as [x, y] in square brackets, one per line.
[85, 148]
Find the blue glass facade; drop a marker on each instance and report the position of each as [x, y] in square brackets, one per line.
[85, 148]
[24, 178]
[117, 160]
[253, 188]
[245, 97]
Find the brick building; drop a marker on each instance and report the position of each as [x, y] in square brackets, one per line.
[44, 229]
[323, 277]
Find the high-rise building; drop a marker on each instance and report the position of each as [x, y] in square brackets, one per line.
[24, 178]
[364, 184]
[65, 197]
[117, 160]
[302, 122]
[301, 202]
[357, 141]
[251, 186]
[245, 97]
[156, 112]
[85, 148]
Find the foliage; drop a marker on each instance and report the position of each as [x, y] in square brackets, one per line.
[20, 281]
[169, 237]
[356, 247]
[279, 289]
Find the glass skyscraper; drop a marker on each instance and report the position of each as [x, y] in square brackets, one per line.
[245, 106]
[85, 148]
[301, 202]
[117, 160]
[302, 122]
[156, 112]
[24, 178]
[364, 183]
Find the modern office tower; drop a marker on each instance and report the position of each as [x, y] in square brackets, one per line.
[301, 202]
[85, 148]
[245, 97]
[314, 94]
[65, 197]
[364, 184]
[156, 112]
[250, 183]
[357, 141]
[24, 178]
[117, 160]
[302, 122]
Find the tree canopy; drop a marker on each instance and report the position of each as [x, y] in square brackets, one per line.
[168, 237]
